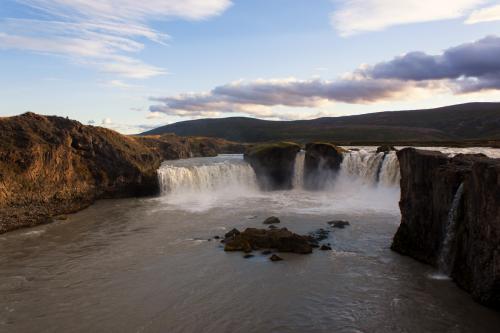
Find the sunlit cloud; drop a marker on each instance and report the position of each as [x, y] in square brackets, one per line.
[357, 16]
[488, 14]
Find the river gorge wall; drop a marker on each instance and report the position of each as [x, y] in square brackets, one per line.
[51, 166]
[450, 210]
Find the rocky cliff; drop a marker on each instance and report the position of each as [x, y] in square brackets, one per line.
[322, 161]
[51, 166]
[456, 230]
[274, 164]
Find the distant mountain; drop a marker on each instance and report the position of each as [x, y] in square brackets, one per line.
[457, 123]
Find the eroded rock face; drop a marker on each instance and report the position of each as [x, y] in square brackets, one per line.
[274, 164]
[52, 166]
[322, 162]
[429, 183]
[281, 240]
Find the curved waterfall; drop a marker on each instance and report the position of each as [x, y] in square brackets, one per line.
[231, 172]
[205, 178]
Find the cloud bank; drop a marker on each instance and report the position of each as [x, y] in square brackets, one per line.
[469, 67]
[104, 34]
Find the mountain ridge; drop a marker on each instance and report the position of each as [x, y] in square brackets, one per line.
[462, 122]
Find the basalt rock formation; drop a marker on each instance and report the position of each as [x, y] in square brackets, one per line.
[51, 166]
[322, 161]
[274, 164]
[433, 209]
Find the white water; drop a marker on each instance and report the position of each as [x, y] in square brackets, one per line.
[445, 261]
[200, 184]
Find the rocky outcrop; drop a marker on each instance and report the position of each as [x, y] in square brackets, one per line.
[281, 240]
[429, 185]
[51, 166]
[322, 162]
[385, 149]
[274, 164]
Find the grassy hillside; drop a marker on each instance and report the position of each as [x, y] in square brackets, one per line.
[465, 122]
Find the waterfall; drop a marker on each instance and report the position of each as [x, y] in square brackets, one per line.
[230, 174]
[298, 174]
[371, 168]
[445, 261]
[389, 171]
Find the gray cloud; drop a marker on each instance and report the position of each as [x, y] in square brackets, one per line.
[469, 67]
[475, 66]
[258, 97]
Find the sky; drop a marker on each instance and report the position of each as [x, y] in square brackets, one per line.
[135, 65]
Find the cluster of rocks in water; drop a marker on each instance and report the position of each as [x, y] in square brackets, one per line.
[277, 239]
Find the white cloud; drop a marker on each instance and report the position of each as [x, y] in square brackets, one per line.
[107, 122]
[488, 14]
[104, 34]
[356, 16]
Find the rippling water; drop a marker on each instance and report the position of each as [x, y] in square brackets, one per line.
[146, 265]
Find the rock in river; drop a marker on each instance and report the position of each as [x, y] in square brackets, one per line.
[282, 240]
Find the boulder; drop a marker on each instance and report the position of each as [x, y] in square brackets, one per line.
[325, 247]
[275, 257]
[338, 224]
[274, 164]
[282, 240]
[321, 164]
[429, 189]
[271, 220]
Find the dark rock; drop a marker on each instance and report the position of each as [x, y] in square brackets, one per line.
[266, 252]
[273, 227]
[429, 183]
[216, 237]
[321, 164]
[338, 224]
[237, 243]
[325, 248]
[274, 164]
[282, 240]
[232, 233]
[247, 256]
[385, 149]
[275, 257]
[319, 235]
[272, 220]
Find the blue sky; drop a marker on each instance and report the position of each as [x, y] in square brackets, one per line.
[132, 65]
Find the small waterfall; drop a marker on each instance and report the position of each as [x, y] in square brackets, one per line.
[298, 175]
[371, 168]
[206, 178]
[445, 261]
[389, 172]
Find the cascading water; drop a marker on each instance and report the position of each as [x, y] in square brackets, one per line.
[215, 174]
[445, 261]
[371, 168]
[298, 175]
[232, 173]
